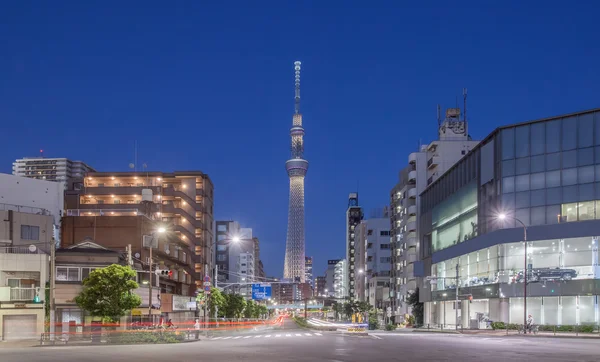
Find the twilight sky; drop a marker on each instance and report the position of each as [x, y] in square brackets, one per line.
[211, 87]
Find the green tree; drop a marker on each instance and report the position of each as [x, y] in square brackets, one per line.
[262, 311]
[107, 292]
[249, 309]
[234, 305]
[216, 301]
[338, 308]
[417, 307]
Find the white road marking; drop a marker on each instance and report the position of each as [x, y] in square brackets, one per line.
[288, 335]
[268, 336]
[238, 337]
[318, 334]
[298, 335]
[376, 337]
[217, 338]
[257, 336]
[227, 338]
[308, 334]
[278, 335]
[247, 337]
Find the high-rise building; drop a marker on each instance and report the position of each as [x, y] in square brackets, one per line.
[308, 270]
[225, 232]
[115, 209]
[50, 169]
[320, 283]
[424, 167]
[535, 181]
[340, 283]
[296, 168]
[330, 277]
[354, 215]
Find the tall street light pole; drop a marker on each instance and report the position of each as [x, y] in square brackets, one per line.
[504, 217]
[155, 234]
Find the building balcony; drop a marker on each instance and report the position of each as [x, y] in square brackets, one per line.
[106, 210]
[411, 255]
[412, 176]
[412, 210]
[9, 294]
[411, 242]
[123, 190]
[411, 226]
[412, 158]
[433, 162]
[412, 193]
[171, 208]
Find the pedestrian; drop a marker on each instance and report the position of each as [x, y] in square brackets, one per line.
[197, 328]
[529, 324]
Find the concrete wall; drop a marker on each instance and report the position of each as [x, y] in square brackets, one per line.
[44, 222]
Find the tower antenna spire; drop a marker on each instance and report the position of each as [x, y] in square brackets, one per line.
[297, 84]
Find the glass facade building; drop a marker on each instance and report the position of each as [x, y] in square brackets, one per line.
[545, 174]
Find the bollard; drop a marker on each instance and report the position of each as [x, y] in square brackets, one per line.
[554, 328]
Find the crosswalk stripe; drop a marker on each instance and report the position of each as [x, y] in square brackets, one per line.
[238, 337]
[217, 338]
[267, 336]
[288, 335]
[278, 335]
[257, 336]
[227, 338]
[247, 337]
[308, 334]
[318, 334]
[298, 335]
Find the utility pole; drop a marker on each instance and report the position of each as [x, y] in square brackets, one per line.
[305, 309]
[456, 307]
[52, 288]
[150, 285]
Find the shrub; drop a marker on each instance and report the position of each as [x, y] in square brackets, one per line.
[373, 321]
[513, 326]
[587, 329]
[498, 325]
[565, 329]
[390, 327]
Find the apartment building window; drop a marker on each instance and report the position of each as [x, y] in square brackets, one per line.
[29, 232]
[385, 259]
[220, 257]
[384, 233]
[384, 246]
[69, 274]
[117, 184]
[116, 201]
[221, 247]
[370, 232]
[184, 256]
[85, 272]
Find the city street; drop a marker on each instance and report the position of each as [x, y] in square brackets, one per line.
[295, 344]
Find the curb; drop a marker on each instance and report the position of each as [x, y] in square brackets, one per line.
[110, 344]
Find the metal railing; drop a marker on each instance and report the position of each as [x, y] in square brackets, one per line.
[17, 294]
[24, 209]
[22, 250]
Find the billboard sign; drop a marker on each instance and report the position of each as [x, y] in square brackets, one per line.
[261, 291]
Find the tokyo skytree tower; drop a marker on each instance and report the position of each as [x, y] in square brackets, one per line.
[296, 168]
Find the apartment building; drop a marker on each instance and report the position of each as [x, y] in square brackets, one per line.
[377, 270]
[25, 242]
[50, 169]
[540, 177]
[340, 283]
[424, 167]
[330, 277]
[308, 271]
[354, 215]
[116, 209]
[320, 286]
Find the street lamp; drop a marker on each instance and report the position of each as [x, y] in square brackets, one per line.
[504, 217]
[159, 230]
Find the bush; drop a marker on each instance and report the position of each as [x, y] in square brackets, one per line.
[390, 327]
[587, 329]
[301, 321]
[513, 326]
[143, 337]
[373, 320]
[565, 329]
[498, 325]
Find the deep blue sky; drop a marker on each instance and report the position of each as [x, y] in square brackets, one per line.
[210, 87]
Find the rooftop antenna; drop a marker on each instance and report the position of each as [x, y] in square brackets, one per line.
[439, 119]
[297, 84]
[41, 153]
[135, 156]
[465, 110]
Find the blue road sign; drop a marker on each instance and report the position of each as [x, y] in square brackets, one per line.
[261, 291]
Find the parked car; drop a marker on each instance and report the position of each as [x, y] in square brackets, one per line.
[536, 275]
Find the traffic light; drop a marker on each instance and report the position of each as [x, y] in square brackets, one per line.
[163, 273]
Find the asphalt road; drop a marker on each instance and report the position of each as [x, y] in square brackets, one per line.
[295, 344]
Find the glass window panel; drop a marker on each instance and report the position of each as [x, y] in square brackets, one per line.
[538, 163]
[508, 202]
[522, 166]
[585, 128]
[586, 210]
[552, 178]
[597, 121]
[508, 168]
[587, 313]
[508, 143]
[538, 197]
[569, 193]
[538, 138]
[508, 184]
[523, 215]
[569, 310]
[554, 196]
[569, 176]
[538, 180]
[552, 161]
[569, 212]
[585, 156]
[516, 310]
[597, 154]
[73, 274]
[538, 215]
[598, 208]
[585, 174]
[552, 214]
[522, 183]
[586, 192]
[569, 133]
[522, 141]
[569, 159]
[553, 136]
[522, 199]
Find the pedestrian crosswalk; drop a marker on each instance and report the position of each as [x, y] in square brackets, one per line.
[273, 335]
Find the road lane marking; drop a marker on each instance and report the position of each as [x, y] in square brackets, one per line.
[227, 338]
[375, 336]
[318, 334]
[217, 338]
[278, 335]
[247, 337]
[308, 334]
[298, 335]
[257, 336]
[288, 335]
[267, 336]
[238, 337]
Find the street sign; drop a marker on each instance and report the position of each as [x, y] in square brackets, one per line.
[206, 278]
[207, 284]
[389, 313]
[261, 291]
[191, 305]
[389, 309]
[207, 288]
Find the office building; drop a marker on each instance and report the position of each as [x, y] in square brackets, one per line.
[50, 169]
[354, 215]
[330, 277]
[340, 282]
[538, 176]
[114, 209]
[375, 274]
[320, 286]
[308, 270]
[296, 168]
[424, 167]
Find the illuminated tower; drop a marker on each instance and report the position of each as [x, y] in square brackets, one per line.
[296, 168]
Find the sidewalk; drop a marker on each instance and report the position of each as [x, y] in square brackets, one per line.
[511, 333]
[20, 343]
